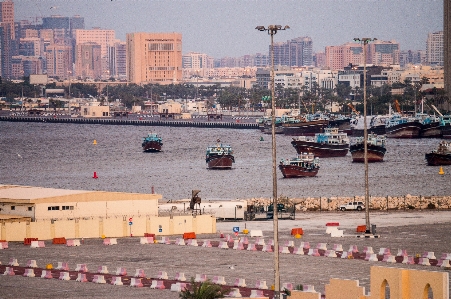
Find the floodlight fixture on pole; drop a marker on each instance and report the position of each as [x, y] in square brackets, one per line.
[272, 30]
[365, 41]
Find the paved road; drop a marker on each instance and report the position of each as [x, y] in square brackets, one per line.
[415, 232]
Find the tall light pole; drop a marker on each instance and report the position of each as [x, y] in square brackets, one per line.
[365, 41]
[272, 30]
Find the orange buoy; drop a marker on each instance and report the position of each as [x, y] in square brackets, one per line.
[441, 172]
[94, 142]
[95, 175]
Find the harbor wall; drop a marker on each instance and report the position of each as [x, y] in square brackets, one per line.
[114, 227]
[134, 122]
[383, 203]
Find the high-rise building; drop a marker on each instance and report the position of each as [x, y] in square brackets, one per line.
[117, 59]
[447, 46]
[103, 37]
[59, 60]
[7, 37]
[56, 22]
[76, 22]
[337, 57]
[434, 48]
[195, 60]
[154, 57]
[88, 61]
[295, 52]
[383, 53]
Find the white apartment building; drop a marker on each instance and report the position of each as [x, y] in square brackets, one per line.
[434, 48]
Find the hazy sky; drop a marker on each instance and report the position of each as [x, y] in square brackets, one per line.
[227, 27]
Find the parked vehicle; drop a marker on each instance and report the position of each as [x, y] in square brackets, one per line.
[356, 205]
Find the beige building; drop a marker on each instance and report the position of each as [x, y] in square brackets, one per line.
[46, 213]
[154, 58]
[94, 109]
[59, 60]
[40, 203]
[88, 61]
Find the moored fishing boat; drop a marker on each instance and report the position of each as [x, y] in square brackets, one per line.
[305, 128]
[445, 126]
[152, 143]
[331, 143]
[304, 165]
[375, 123]
[430, 125]
[375, 148]
[441, 156]
[219, 156]
[403, 127]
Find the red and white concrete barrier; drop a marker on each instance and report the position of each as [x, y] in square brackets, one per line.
[102, 270]
[162, 275]
[430, 255]
[117, 281]
[200, 278]
[157, 284]
[237, 245]
[110, 241]
[178, 287]
[322, 246]
[99, 279]
[62, 266]
[146, 240]
[13, 262]
[313, 252]
[240, 282]
[46, 274]
[64, 276]
[219, 280]
[284, 249]
[384, 251]
[298, 250]
[3, 245]
[305, 245]
[9, 271]
[37, 244]
[81, 268]
[261, 284]
[408, 260]
[139, 273]
[251, 247]
[267, 248]
[180, 276]
[206, 243]
[31, 264]
[29, 273]
[402, 252]
[256, 294]
[121, 271]
[136, 282]
[338, 247]
[81, 277]
[72, 243]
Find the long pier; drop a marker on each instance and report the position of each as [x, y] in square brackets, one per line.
[133, 122]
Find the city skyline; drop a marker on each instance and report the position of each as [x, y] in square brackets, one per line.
[226, 28]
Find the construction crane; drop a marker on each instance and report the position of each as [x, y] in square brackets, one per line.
[398, 108]
[353, 109]
[435, 108]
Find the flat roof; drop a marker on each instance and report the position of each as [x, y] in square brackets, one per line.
[30, 193]
[33, 195]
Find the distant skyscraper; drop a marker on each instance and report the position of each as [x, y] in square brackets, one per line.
[59, 60]
[195, 60]
[154, 57]
[338, 57]
[434, 48]
[7, 37]
[383, 53]
[103, 37]
[295, 52]
[117, 59]
[88, 61]
[76, 22]
[56, 22]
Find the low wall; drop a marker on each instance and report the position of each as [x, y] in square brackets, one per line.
[114, 227]
[417, 202]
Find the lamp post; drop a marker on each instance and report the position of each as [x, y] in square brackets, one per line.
[272, 30]
[365, 41]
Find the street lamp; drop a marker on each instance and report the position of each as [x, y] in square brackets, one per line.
[365, 41]
[272, 30]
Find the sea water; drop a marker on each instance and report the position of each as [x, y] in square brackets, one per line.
[64, 156]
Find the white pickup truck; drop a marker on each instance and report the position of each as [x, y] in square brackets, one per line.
[356, 205]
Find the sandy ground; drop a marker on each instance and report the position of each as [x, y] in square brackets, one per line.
[415, 232]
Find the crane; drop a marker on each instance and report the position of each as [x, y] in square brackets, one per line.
[435, 108]
[353, 109]
[398, 108]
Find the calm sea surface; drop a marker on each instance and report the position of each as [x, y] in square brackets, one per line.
[63, 156]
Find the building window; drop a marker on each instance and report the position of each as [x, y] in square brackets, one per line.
[54, 208]
[13, 208]
[30, 208]
[67, 208]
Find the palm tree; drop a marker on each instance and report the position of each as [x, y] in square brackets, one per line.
[203, 290]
